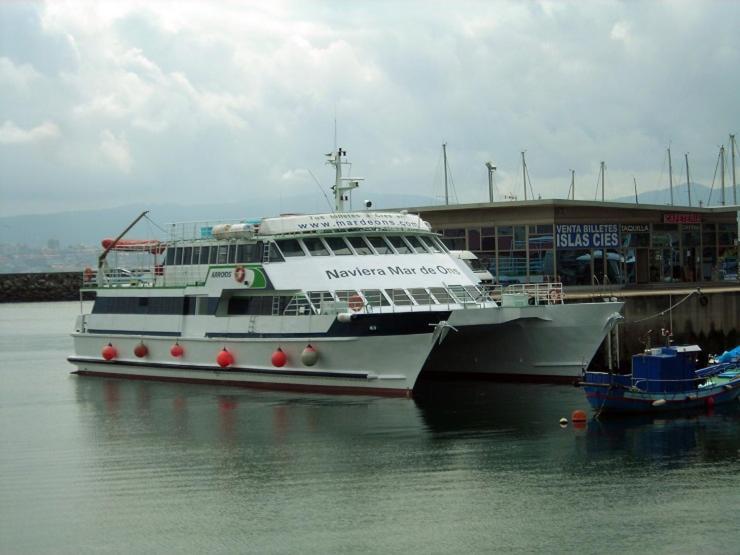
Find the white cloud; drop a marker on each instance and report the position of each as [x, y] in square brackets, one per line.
[17, 76]
[116, 151]
[620, 31]
[10, 133]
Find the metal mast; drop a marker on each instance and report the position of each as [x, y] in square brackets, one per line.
[491, 169]
[342, 185]
[602, 181]
[573, 184]
[722, 163]
[524, 175]
[688, 178]
[734, 182]
[670, 174]
[634, 179]
[444, 155]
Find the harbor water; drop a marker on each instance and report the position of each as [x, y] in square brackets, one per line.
[91, 465]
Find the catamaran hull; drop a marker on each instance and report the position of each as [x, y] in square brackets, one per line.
[381, 365]
[548, 343]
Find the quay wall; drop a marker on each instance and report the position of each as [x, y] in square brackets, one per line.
[710, 318]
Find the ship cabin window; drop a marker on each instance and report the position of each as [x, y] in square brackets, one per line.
[290, 248]
[346, 294]
[399, 296]
[416, 244]
[178, 256]
[170, 256]
[213, 256]
[187, 255]
[399, 244]
[461, 294]
[421, 296]
[273, 252]
[338, 246]
[196, 255]
[315, 246]
[380, 245]
[360, 245]
[223, 254]
[442, 295]
[247, 252]
[474, 292]
[232, 253]
[375, 297]
[430, 244]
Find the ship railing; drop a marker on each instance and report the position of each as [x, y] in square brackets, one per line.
[540, 293]
[201, 229]
[118, 277]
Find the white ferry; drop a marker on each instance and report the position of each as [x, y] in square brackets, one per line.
[353, 302]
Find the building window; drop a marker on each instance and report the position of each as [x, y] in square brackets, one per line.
[454, 239]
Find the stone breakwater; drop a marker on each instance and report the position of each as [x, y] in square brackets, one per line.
[37, 287]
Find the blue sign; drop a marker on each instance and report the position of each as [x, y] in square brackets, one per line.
[587, 236]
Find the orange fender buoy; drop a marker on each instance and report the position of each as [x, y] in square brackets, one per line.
[225, 358]
[176, 350]
[141, 350]
[109, 352]
[278, 358]
[578, 416]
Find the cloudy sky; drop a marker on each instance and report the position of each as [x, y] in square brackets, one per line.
[102, 103]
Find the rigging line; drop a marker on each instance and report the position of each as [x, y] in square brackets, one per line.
[155, 224]
[596, 192]
[452, 181]
[663, 312]
[326, 198]
[716, 166]
[531, 191]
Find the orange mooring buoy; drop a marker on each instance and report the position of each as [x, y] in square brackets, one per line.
[578, 416]
[225, 358]
[109, 352]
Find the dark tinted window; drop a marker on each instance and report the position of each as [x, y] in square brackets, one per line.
[338, 246]
[379, 244]
[360, 245]
[290, 247]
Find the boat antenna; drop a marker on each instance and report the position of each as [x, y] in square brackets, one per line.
[342, 185]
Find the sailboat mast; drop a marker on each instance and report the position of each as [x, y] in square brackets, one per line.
[670, 174]
[635, 182]
[602, 181]
[444, 156]
[722, 164]
[573, 184]
[734, 182]
[688, 178]
[524, 175]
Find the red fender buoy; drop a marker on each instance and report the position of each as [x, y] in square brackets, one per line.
[578, 416]
[279, 358]
[109, 352]
[141, 350]
[176, 350]
[225, 358]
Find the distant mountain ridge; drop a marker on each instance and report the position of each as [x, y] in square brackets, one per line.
[89, 227]
[699, 193]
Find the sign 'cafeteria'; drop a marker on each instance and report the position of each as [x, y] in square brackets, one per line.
[681, 218]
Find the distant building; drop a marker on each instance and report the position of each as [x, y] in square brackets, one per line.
[592, 243]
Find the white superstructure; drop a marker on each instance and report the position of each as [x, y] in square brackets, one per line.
[343, 301]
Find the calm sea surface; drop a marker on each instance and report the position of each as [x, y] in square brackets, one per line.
[95, 465]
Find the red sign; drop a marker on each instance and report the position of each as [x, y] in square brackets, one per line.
[681, 218]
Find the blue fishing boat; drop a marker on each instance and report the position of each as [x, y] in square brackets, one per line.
[664, 379]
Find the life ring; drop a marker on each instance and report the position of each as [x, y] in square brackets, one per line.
[239, 274]
[87, 275]
[555, 295]
[355, 303]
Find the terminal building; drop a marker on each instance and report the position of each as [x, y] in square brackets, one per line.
[584, 243]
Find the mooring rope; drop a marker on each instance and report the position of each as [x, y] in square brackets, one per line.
[663, 312]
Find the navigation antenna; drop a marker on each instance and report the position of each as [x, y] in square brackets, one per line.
[342, 185]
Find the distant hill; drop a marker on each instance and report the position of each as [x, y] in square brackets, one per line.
[90, 226]
[680, 196]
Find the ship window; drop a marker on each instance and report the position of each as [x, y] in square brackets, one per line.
[223, 254]
[360, 245]
[213, 255]
[232, 253]
[170, 256]
[247, 253]
[178, 256]
[338, 246]
[399, 244]
[375, 297]
[416, 243]
[429, 243]
[315, 246]
[196, 255]
[318, 297]
[274, 253]
[290, 247]
[346, 294]
[421, 296]
[380, 245]
[203, 255]
[441, 294]
[398, 296]
[474, 292]
[187, 255]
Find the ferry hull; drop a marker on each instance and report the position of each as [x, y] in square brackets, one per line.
[396, 362]
[547, 343]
